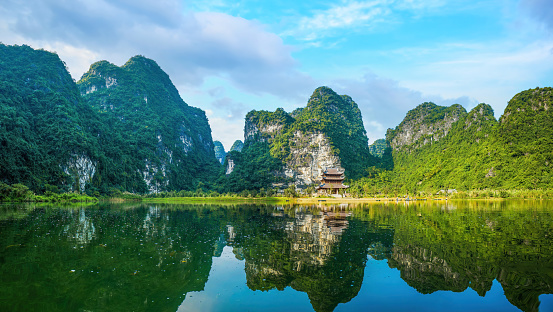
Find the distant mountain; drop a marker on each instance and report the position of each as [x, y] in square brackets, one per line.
[237, 146]
[297, 147]
[378, 147]
[220, 153]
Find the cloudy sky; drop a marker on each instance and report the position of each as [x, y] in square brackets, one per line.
[229, 57]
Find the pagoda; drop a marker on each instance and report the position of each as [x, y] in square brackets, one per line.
[332, 181]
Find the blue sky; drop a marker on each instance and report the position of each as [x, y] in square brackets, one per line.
[229, 57]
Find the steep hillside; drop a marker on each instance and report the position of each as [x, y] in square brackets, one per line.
[328, 132]
[237, 146]
[425, 124]
[525, 140]
[378, 147]
[155, 140]
[444, 148]
[45, 129]
[439, 147]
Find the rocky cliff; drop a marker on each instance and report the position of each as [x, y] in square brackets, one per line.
[44, 124]
[327, 133]
[155, 139]
[425, 124]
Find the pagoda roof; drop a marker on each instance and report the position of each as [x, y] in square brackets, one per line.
[336, 178]
[332, 171]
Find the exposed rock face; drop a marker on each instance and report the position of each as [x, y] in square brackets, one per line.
[425, 124]
[155, 177]
[163, 143]
[230, 166]
[327, 133]
[310, 155]
[81, 169]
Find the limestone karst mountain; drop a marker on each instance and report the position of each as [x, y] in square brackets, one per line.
[297, 147]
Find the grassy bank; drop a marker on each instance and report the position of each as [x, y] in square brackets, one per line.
[220, 199]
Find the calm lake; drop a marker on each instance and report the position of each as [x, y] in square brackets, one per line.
[422, 256]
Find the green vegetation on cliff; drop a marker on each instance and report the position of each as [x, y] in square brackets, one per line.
[328, 132]
[220, 153]
[43, 120]
[126, 130]
[378, 147]
[237, 146]
[438, 148]
[155, 140]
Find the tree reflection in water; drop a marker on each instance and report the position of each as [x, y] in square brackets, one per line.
[148, 257]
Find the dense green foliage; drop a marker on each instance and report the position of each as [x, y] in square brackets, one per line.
[337, 117]
[474, 152]
[378, 147]
[154, 136]
[458, 160]
[43, 120]
[126, 130]
[21, 193]
[255, 169]
[238, 145]
[220, 153]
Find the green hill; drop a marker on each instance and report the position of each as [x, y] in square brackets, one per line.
[155, 141]
[46, 139]
[117, 129]
[297, 147]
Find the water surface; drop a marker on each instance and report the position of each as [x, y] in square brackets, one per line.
[429, 256]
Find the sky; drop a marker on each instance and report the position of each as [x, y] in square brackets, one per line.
[230, 57]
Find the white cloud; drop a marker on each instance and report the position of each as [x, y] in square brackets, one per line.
[232, 109]
[354, 15]
[189, 46]
[384, 103]
[493, 72]
[226, 131]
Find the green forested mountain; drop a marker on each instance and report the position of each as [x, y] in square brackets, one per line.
[438, 147]
[297, 147]
[238, 145]
[127, 129]
[155, 140]
[451, 151]
[45, 127]
[378, 147]
[524, 141]
[220, 153]
[119, 128]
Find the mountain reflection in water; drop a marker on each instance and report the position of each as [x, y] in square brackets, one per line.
[164, 257]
